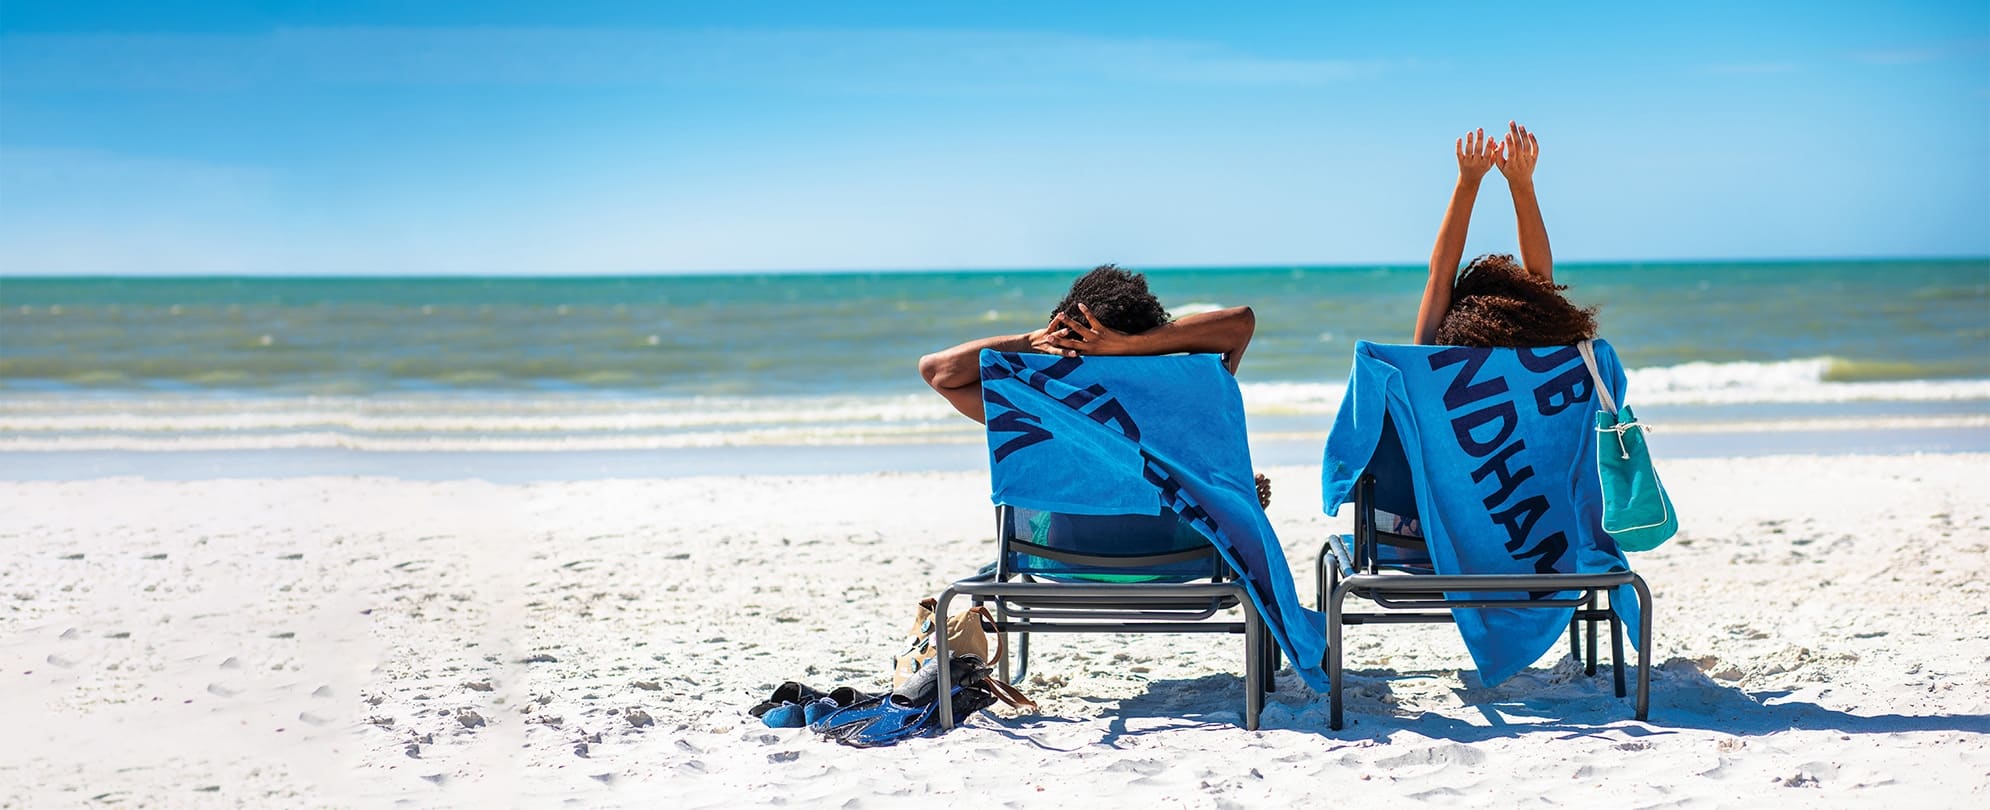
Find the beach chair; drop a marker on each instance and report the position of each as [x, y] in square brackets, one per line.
[1112, 574]
[1096, 558]
[1407, 409]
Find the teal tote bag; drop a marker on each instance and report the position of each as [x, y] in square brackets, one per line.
[1636, 511]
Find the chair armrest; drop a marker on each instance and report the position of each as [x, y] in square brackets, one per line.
[1341, 548]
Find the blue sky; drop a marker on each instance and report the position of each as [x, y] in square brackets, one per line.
[465, 138]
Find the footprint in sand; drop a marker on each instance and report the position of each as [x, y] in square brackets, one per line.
[1445, 755]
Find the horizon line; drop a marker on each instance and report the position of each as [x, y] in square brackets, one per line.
[906, 270]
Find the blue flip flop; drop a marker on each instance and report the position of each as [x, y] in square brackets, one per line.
[785, 708]
[839, 698]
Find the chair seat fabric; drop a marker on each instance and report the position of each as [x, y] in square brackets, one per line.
[1109, 535]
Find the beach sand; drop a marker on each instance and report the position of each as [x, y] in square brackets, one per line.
[1821, 631]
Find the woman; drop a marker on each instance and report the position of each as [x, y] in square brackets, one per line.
[1496, 301]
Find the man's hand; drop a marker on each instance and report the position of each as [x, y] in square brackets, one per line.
[1476, 155]
[1519, 154]
[1091, 337]
[1054, 338]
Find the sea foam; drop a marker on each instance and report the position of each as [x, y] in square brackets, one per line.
[555, 423]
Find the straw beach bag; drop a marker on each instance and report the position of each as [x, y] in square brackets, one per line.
[1636, 511]
[969, 632]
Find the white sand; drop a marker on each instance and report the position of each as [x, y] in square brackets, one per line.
[325, 641]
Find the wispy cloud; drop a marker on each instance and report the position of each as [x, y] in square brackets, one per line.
[823, 60]
[1922, 54]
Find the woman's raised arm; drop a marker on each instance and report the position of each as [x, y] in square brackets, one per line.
[1476, 155]
[1521, 152]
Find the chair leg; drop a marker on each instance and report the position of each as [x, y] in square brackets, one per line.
[1590, 668]
[1644, 646]
[1333, 662]
[1022, 657]
[945, 703]
[1254, 660]
[1617, 651]
[1002, 620]
[1575, 638]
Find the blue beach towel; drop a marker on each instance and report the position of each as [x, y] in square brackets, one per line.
[1139, 435]
[1501, 447]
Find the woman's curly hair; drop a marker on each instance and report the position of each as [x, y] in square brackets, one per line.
[1497, 303]
[1118, 298]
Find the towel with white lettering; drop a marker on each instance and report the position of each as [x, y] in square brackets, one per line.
[1499, 446]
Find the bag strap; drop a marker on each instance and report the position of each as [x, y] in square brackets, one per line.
[1002, 690]
[1006, 693]
[1595, 376]
[988, 622]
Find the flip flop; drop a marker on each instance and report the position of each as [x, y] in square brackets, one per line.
[784, 708]
[839, 698]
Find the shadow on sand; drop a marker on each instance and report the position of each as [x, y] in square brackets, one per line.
[1534, 702]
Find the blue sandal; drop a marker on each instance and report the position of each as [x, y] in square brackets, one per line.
[785, 708]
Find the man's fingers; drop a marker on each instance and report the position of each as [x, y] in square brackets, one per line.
[1096, 326]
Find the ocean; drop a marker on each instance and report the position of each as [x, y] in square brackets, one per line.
[395, 366]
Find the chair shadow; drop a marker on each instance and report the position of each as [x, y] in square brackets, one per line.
[1209, 701]
[1682, 698]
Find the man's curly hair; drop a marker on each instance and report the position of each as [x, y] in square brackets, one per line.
[1118, 298]
[1497, 303]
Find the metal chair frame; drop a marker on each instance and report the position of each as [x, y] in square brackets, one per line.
[1342, 572]
[1024, 605]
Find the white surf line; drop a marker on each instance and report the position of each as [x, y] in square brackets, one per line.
[1853, 423]
[333, 440]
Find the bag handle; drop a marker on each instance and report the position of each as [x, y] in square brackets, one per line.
[1602, 389]
[985, 622]
[1010, 694]
[1609, 404]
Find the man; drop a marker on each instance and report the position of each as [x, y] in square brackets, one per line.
[1108, 311]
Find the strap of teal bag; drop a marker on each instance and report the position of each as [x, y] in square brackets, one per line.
[1609, 402]
[1602, 390]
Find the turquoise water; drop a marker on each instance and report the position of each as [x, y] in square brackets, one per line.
[696, 366]
[834, 334]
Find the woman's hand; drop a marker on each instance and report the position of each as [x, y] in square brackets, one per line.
[1521, 150]
[1477, 154]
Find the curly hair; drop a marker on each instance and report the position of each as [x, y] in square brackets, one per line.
[1497, 303]
[1118, 298]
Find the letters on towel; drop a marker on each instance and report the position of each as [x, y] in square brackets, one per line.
[1500, 446]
